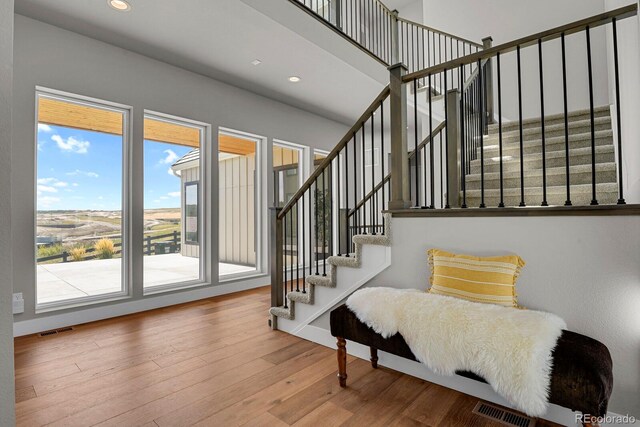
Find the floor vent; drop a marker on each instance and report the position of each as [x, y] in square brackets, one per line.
[503, 416]
[55, 331]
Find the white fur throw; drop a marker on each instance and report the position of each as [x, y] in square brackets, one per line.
[510, 348]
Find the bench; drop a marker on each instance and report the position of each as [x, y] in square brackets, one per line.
[581, 380]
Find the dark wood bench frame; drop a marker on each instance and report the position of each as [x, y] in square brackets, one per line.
[585, 388]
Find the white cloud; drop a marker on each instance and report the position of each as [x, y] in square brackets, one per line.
[45, 189]
[71, 144]
[53, 181]
[170, 158]
[75, 184]
[163, 197]
[100, 198]
[47, 201]
[174, 194]
[78, 172]
[44, 128]
[170, 172]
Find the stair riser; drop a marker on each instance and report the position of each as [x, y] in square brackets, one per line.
[514, 125]
[608, 198]
[533, 135]
[555, 144]
[536, 181]
[536, 163]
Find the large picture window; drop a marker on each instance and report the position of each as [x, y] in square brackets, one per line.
[80, 244]
[173, 168]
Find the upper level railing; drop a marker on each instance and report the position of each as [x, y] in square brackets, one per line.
[380, 32]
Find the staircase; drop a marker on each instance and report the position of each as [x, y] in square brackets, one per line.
[333, 290]
[579, 160]
[338, 223]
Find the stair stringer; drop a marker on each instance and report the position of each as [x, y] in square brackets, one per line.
[372, 256]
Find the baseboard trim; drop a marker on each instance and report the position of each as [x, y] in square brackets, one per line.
[477, 389]
[150, 302]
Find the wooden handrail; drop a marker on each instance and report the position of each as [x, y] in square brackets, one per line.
[334, 153]
[552, 34]
[387, 178]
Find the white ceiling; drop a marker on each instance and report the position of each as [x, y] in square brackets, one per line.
[220, 38]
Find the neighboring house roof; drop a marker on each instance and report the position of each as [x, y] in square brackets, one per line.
[188, 161]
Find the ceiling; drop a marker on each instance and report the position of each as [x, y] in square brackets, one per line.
[220, 39]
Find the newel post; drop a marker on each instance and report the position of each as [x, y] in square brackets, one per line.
[454, 147]
[400, 198]
[395, 39]
[276, 242]
[487, 42]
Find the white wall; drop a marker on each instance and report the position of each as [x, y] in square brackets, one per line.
[51, 57]
[585, 269]
[7, 397]
[507, 20]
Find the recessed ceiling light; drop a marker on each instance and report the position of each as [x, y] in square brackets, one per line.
[119, 5]
[256, 62]
[294, 79]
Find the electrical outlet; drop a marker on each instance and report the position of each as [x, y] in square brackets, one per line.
[18, 303]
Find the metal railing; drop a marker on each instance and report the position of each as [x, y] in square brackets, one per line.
[380, 32]
[312, 225]
[475, 112]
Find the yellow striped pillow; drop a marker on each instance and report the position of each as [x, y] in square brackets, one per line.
[481, 279]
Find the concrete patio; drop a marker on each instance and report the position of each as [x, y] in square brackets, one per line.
[57, 282]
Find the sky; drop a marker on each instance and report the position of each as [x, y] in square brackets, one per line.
[82, 170]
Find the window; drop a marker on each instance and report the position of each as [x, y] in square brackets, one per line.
[80, 200]
[172, 209]
[238, 173]
[191, 213]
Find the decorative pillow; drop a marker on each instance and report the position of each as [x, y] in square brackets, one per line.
[481, 279]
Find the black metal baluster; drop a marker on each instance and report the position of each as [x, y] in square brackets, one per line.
[431, 171]
[522, 203]
[317, 226]
[501, 204]
[621, 200]
[594, 199]
[566, 122]
[441, 169]
[330, 193]
[324, 223]
[284, 257]
[297, 249]
[446, 117]
[424, 171]
[382, 156]
[372, 204]
[310, 216]
[415, 138]
[542, 124]
[463, 141]
[481, 130]
[304, 250]
[364, 182]
[346, 196]
[355, 185]
[338, 184]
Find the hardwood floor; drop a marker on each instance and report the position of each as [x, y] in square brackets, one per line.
[214, 363]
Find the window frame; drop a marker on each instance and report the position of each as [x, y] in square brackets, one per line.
[126, 290]
[204, 165]
[198, 216]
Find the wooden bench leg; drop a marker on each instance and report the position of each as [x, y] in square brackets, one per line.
[374, 357]
[342, 361]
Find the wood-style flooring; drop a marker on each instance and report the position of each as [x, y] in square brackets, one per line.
[214, 362]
